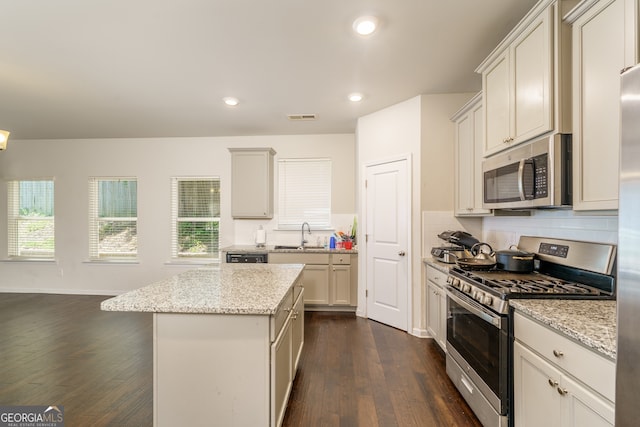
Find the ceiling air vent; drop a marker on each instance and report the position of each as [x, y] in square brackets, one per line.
[301, 116]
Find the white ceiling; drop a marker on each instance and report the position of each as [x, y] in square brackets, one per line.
[160, 68]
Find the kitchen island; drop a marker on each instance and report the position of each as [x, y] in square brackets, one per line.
[227, 341]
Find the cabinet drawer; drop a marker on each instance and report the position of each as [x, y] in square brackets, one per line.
[436, 276]
[342, 259]
[586, 365]
[279, 319]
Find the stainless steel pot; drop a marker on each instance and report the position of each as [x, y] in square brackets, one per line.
[515, 261]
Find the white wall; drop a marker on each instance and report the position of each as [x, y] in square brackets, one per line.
[437, 154]
[419, 128]
[153, 161]
[389, 134]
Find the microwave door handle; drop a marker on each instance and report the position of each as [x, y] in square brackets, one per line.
[521, 179]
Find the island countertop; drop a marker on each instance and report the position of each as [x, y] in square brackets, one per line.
[225, 289]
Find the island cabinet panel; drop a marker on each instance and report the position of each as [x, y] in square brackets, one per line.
[211, 369]
[297, 332]
[281, 373]
[226, 369]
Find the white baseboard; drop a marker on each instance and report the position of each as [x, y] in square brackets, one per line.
[420, 333]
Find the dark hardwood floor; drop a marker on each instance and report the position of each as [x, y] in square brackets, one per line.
[62, 350]
[357, 372]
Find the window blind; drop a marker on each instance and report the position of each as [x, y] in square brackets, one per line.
[195, 217]
[113, 218]
[30, 219]
[304, 192]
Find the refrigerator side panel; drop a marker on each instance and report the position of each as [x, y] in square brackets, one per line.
[628, 280]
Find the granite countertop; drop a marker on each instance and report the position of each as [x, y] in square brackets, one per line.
[439, 265]
[271, 248]
[590, 322]
[225, 289]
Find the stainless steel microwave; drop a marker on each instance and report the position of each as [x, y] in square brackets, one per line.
[535, 175]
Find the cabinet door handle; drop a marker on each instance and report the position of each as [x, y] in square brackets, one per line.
[562, 391]
[553, 383]
[402, 253]
[558, 353]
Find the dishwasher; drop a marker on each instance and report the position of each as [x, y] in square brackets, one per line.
[247, 257]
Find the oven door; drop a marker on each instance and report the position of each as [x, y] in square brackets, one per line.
[477, 339]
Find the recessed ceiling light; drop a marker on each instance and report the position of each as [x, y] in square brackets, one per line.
[365, 25]
[4, 136]
[355, 97]
[230, 101]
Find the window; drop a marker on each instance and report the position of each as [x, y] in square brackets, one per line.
[195, 217]
[304, 193]
[30, 219]
[113, 218]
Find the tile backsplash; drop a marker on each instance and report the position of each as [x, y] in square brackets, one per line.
[501, 232]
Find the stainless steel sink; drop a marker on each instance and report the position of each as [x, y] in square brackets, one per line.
[276, 247]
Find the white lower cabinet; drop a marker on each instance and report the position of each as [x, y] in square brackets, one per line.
[437, 306]
[316, 279]
[341, 284]
[546, 393]
[330, 279]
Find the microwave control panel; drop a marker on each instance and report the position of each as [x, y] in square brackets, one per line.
[540, 174]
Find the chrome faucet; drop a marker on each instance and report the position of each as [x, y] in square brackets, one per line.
[303, 241]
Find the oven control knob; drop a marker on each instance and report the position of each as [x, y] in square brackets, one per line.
[466, 287]
[478, 296]
[487, 300]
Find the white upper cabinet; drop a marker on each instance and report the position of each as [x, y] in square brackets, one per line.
[522, 80]
[604, 43]
[468, 158]
[252, 182]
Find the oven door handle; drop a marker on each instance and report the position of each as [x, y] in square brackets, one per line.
[495, 320]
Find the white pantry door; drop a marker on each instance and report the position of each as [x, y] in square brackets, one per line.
[387, 222]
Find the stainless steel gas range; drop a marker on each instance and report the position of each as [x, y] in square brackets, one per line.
[479, 331]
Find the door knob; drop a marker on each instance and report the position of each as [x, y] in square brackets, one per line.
[401, 253]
